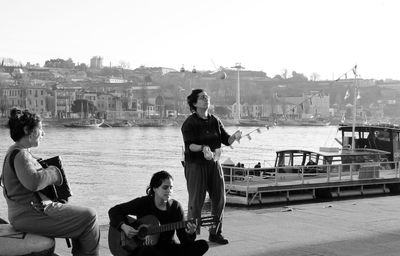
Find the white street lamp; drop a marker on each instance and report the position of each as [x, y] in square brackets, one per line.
[238, 67]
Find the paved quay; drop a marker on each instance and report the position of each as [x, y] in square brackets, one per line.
[363, 226]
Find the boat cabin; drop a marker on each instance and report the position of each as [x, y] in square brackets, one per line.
[381, 137]
[313, 159]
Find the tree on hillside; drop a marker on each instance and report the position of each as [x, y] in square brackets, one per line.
[83, 106]
[59, 63]
[298, 77]
[81, 67]
[107, 71]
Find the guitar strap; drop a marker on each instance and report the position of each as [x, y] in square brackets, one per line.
[11, 157]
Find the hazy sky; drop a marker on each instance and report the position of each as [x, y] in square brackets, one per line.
[327, 37]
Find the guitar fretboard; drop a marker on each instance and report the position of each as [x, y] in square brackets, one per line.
[168, 227]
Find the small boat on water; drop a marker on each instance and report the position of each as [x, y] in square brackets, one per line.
[156, 123]
[370, 167]
[252, 122]
[89, 123]
[303, 122]
[123, 123]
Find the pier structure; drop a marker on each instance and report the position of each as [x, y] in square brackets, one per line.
[256, 186]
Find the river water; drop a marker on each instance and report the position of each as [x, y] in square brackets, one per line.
[106, 166]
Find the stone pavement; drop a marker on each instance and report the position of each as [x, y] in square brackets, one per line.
[363, 226]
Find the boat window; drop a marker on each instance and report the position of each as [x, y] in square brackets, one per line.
[383, 136]
[298, 159]
[350, 135]
[284, 159]
[396, 141]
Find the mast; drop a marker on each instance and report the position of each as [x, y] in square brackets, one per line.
[353, 146]
[81, 110]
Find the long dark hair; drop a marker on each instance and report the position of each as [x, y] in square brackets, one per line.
[156, 181]
[192, 99]
[19, 119]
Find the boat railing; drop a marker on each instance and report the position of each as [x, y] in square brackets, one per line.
[295, 175]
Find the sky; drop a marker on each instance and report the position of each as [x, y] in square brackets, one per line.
[326, 37]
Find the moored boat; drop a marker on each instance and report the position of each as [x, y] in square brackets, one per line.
[156, 123]
[123, 123]
[303, 122]
[371, 166]
[90, 123]
[252, 122]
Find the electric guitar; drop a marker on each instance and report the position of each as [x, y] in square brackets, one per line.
[121, 245]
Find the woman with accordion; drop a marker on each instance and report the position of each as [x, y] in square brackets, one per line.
[25, 182]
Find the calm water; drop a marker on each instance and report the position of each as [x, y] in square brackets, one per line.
[107, 166]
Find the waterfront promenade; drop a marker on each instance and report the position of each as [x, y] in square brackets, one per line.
[354, 227]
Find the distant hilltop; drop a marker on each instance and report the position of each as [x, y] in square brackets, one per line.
[124, 93]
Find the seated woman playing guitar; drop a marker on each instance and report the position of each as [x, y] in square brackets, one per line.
[158, 239]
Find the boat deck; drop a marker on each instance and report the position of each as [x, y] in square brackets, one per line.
[249, 186]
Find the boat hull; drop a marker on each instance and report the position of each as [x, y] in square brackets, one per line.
[85, 124]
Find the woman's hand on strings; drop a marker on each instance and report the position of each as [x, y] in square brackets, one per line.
[190, 228]
[149, 241]
[128, 230]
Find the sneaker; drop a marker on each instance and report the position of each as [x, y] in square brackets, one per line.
[218, 238]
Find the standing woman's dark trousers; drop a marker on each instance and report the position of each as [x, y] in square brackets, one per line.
[201, 178]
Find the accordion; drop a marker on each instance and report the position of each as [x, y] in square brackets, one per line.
[56, 193]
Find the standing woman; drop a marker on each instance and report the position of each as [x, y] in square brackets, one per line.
[28, 209]
[158, 203]
[203, 135]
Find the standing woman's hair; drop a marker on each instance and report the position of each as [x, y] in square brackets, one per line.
[19, 119]
[156, 181]
[192, 99]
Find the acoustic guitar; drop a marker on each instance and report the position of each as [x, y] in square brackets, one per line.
[121, 245]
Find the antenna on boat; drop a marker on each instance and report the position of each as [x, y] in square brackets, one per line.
[353, 144]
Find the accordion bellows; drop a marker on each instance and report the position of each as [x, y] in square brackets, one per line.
[56, 193]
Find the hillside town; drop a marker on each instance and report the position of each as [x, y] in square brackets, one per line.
[64, 90]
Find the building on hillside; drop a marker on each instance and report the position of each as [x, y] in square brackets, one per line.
[64, 98]
[147, 95]
[5, 78]
[109, 107]
[158, 71]
[315, 104]
[109, 102]
[96, 62]
[115, 80]
[36, 99]
[266, 111]
[90, 96]
[40, 73]
[289, 106]
[12, 97]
